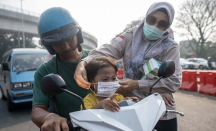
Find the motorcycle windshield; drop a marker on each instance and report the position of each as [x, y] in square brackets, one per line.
[141, 116]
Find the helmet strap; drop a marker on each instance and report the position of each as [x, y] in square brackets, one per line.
[79, 47]
[57, 58]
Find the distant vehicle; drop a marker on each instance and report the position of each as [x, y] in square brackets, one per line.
[17, 74]
[188, 65]
[211, 64]
[203, 63]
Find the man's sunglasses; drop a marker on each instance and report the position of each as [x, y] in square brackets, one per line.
[151, 20]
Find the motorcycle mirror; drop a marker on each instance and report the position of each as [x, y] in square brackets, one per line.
[166, 69]
[52, 84]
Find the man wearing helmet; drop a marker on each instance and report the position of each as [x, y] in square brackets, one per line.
[211, 64]
[61, 36]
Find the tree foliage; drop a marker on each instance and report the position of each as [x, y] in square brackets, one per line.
[186, 50]
[197, 22]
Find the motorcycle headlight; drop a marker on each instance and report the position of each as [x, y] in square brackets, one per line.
[17, 85]
[26, 84]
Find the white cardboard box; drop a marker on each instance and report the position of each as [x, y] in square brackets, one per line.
[151, 68]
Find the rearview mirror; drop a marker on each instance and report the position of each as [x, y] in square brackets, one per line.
[166, 69]
[52, 84]
[5, 67]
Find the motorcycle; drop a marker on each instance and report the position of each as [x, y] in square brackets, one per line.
[133, 115]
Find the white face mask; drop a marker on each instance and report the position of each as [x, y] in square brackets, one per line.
[107, 89]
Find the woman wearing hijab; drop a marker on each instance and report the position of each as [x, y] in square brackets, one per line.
[151, 39]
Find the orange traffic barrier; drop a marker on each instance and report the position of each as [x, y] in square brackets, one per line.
[120, 74]
[189, 81]
[213, 89]
[203, 77]
[198, 77]
[208, 83]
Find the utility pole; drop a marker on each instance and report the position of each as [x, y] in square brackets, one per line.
[18, 37]
[23, 35]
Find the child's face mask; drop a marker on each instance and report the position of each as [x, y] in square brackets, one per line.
[107, 89]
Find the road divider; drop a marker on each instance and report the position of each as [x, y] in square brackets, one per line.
[189, 81]
[206, 79]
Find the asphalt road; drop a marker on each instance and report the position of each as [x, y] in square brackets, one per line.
[199, 109]
[18, 120]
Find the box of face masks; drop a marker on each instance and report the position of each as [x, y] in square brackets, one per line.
[151, 68]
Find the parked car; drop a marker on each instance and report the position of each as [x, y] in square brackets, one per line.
[17, 74]
[188, 65]
[203, 63]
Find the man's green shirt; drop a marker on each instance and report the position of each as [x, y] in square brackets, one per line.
[64, 102]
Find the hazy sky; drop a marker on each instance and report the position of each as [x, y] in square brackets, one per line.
[102, 18]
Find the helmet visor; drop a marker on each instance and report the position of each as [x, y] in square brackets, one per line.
[60, 34]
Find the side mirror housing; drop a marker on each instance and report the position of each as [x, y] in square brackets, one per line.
[5, 67]
[51, 85]
[166, 69]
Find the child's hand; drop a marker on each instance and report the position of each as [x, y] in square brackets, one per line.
[110, 104]
[168, 100]
[134, 98]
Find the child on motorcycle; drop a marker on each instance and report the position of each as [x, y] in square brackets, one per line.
[102, 69]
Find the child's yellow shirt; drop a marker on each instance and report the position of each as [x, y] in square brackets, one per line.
[91, 100]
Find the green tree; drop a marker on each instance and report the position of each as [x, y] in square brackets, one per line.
[210, 48]
[186, 48]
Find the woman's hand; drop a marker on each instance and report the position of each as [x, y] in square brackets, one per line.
[81, 71]
[128, 85]
[168, 100]
[110, 104]
[81, 82]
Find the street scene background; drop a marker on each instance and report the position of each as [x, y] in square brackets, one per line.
[199, 112]
[194, 29]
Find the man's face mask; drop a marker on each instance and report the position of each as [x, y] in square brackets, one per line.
[107, 89]
[151, 32]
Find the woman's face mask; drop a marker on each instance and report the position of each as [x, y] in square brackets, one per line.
[155, 25]
[151, 32]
